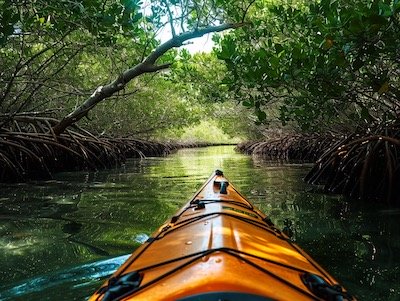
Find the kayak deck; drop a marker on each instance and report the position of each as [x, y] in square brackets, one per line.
[219, 247]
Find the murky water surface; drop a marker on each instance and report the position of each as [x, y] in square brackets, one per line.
[60, 239]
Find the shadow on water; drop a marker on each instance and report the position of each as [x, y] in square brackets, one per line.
[57, 237]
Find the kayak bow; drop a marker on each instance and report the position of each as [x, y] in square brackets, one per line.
[220, 247]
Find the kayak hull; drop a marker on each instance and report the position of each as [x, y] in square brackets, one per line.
[218, 244]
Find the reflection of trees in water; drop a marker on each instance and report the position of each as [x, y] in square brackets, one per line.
[355, 241]
[108, 209]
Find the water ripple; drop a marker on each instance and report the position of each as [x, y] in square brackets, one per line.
[79, 276]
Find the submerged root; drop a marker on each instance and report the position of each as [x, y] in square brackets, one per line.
[305, 148]
[363, 166]
[28, 148]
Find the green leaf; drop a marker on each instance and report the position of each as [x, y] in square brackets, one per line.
[274, 62]
[356, 26]
[396, 5]
[385, 10]
[108, 20]
[297, 52]
[137, 17]
[130, 6]
[278, 48]
[247, 104]
[261, 115]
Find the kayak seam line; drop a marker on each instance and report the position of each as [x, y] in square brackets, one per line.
[175, 219]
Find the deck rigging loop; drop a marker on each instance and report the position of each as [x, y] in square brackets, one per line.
[119, 288]
[324, 290]
[222, 186]
[219, 172]
[217, 235]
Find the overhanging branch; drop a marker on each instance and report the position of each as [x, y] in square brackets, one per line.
[148, 65]
[178, 40]
[155, 68]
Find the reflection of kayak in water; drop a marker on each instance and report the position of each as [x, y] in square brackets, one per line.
[219, 247]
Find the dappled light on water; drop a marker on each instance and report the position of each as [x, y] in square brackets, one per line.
[60, 239]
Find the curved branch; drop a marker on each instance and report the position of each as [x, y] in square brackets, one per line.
[180, 39]
[147, 66]
[247, 9]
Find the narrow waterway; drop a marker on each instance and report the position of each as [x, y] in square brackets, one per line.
[60, 239]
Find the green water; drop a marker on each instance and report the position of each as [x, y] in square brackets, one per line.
[60, 239]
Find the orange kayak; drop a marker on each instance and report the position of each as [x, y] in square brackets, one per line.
[220, 247]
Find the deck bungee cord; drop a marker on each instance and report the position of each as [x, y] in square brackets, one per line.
[114, 281]
[196, 256]
[216, 234]
[169, 228]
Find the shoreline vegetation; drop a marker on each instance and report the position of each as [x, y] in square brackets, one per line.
[87, 86]
[289, 147]
[362, 165]
[29, 149]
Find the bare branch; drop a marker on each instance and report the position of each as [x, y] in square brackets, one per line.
[171, 18]
[156, 68]
[247, 9]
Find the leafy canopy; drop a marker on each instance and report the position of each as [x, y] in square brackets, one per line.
[324, 64]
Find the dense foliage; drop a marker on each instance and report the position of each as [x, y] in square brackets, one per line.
[319, 65]
[48, 46]
[322, 64]
[55, 54]
[200, 77]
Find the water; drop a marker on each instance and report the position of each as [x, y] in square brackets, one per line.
[60, 239]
